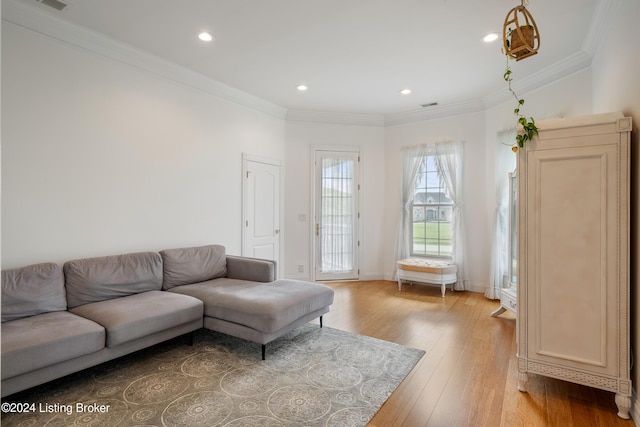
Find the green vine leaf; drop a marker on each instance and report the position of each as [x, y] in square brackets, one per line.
[529, 128]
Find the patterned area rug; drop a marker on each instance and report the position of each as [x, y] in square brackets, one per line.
[312, 377]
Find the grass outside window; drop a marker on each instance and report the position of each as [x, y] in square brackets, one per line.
[432, 239]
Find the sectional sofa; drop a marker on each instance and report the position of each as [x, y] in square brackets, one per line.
[58, 320]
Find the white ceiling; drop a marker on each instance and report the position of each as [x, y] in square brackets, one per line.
[355, 55]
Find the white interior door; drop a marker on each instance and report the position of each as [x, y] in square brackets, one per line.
[261, 190]
[336, 215]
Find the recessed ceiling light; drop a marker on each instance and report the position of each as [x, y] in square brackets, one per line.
[302, 88]
[405, 91]
[205, 36]
[491, 37]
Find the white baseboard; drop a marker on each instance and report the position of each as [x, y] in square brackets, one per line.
[373, 276]
[476, 287]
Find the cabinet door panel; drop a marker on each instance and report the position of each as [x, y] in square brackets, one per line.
[574, 195]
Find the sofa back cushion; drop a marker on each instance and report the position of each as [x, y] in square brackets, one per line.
[98, 279]
[192, 265]
[32, 290]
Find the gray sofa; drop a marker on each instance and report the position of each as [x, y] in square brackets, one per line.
[56, 321]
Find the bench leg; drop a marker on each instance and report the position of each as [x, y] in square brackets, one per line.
[321, 321]
[264, 350]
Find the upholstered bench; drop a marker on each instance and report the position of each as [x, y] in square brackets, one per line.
[440, 273]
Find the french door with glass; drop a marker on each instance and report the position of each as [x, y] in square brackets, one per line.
[336, 215]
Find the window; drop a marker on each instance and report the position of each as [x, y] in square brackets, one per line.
[431, 220]
[432, 212]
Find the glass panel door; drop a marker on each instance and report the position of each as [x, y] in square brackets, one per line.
[336, 231]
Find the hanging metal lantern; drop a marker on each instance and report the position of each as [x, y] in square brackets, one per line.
[520, 33]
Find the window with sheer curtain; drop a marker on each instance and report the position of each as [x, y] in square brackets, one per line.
[432, 212]
[432, 217]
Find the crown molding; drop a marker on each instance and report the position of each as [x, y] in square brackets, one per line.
[435, 112]
[427, 113]
[569, 65]
[572, 64]
[335, 118]
[32, 18]
[601, 20]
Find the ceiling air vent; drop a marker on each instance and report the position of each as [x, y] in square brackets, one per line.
[431, 104]
[56, 4]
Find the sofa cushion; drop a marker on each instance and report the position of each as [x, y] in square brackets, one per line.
[266, 307]
[184, 266]
[32, 290]
[46, 339]
[98, 279]
[139, 315]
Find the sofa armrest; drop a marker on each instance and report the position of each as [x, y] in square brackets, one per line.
[245, 268]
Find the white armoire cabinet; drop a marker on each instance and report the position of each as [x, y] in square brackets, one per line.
[573, 275]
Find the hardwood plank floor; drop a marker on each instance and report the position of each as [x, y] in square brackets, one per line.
[468, 375]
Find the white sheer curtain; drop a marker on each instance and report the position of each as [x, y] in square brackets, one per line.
[410, 166]
[505, 163]
[450, 160]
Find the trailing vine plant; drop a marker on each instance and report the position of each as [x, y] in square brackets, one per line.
[529, 128]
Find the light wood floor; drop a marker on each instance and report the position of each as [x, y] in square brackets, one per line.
[468, 375]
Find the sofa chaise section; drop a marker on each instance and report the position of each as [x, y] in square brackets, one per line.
[241, 296]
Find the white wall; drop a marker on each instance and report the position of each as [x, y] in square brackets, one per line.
[101, 157]
[301, 138]
[616, 87]
[567, 97]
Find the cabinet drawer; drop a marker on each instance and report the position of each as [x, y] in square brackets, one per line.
[509, 300]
